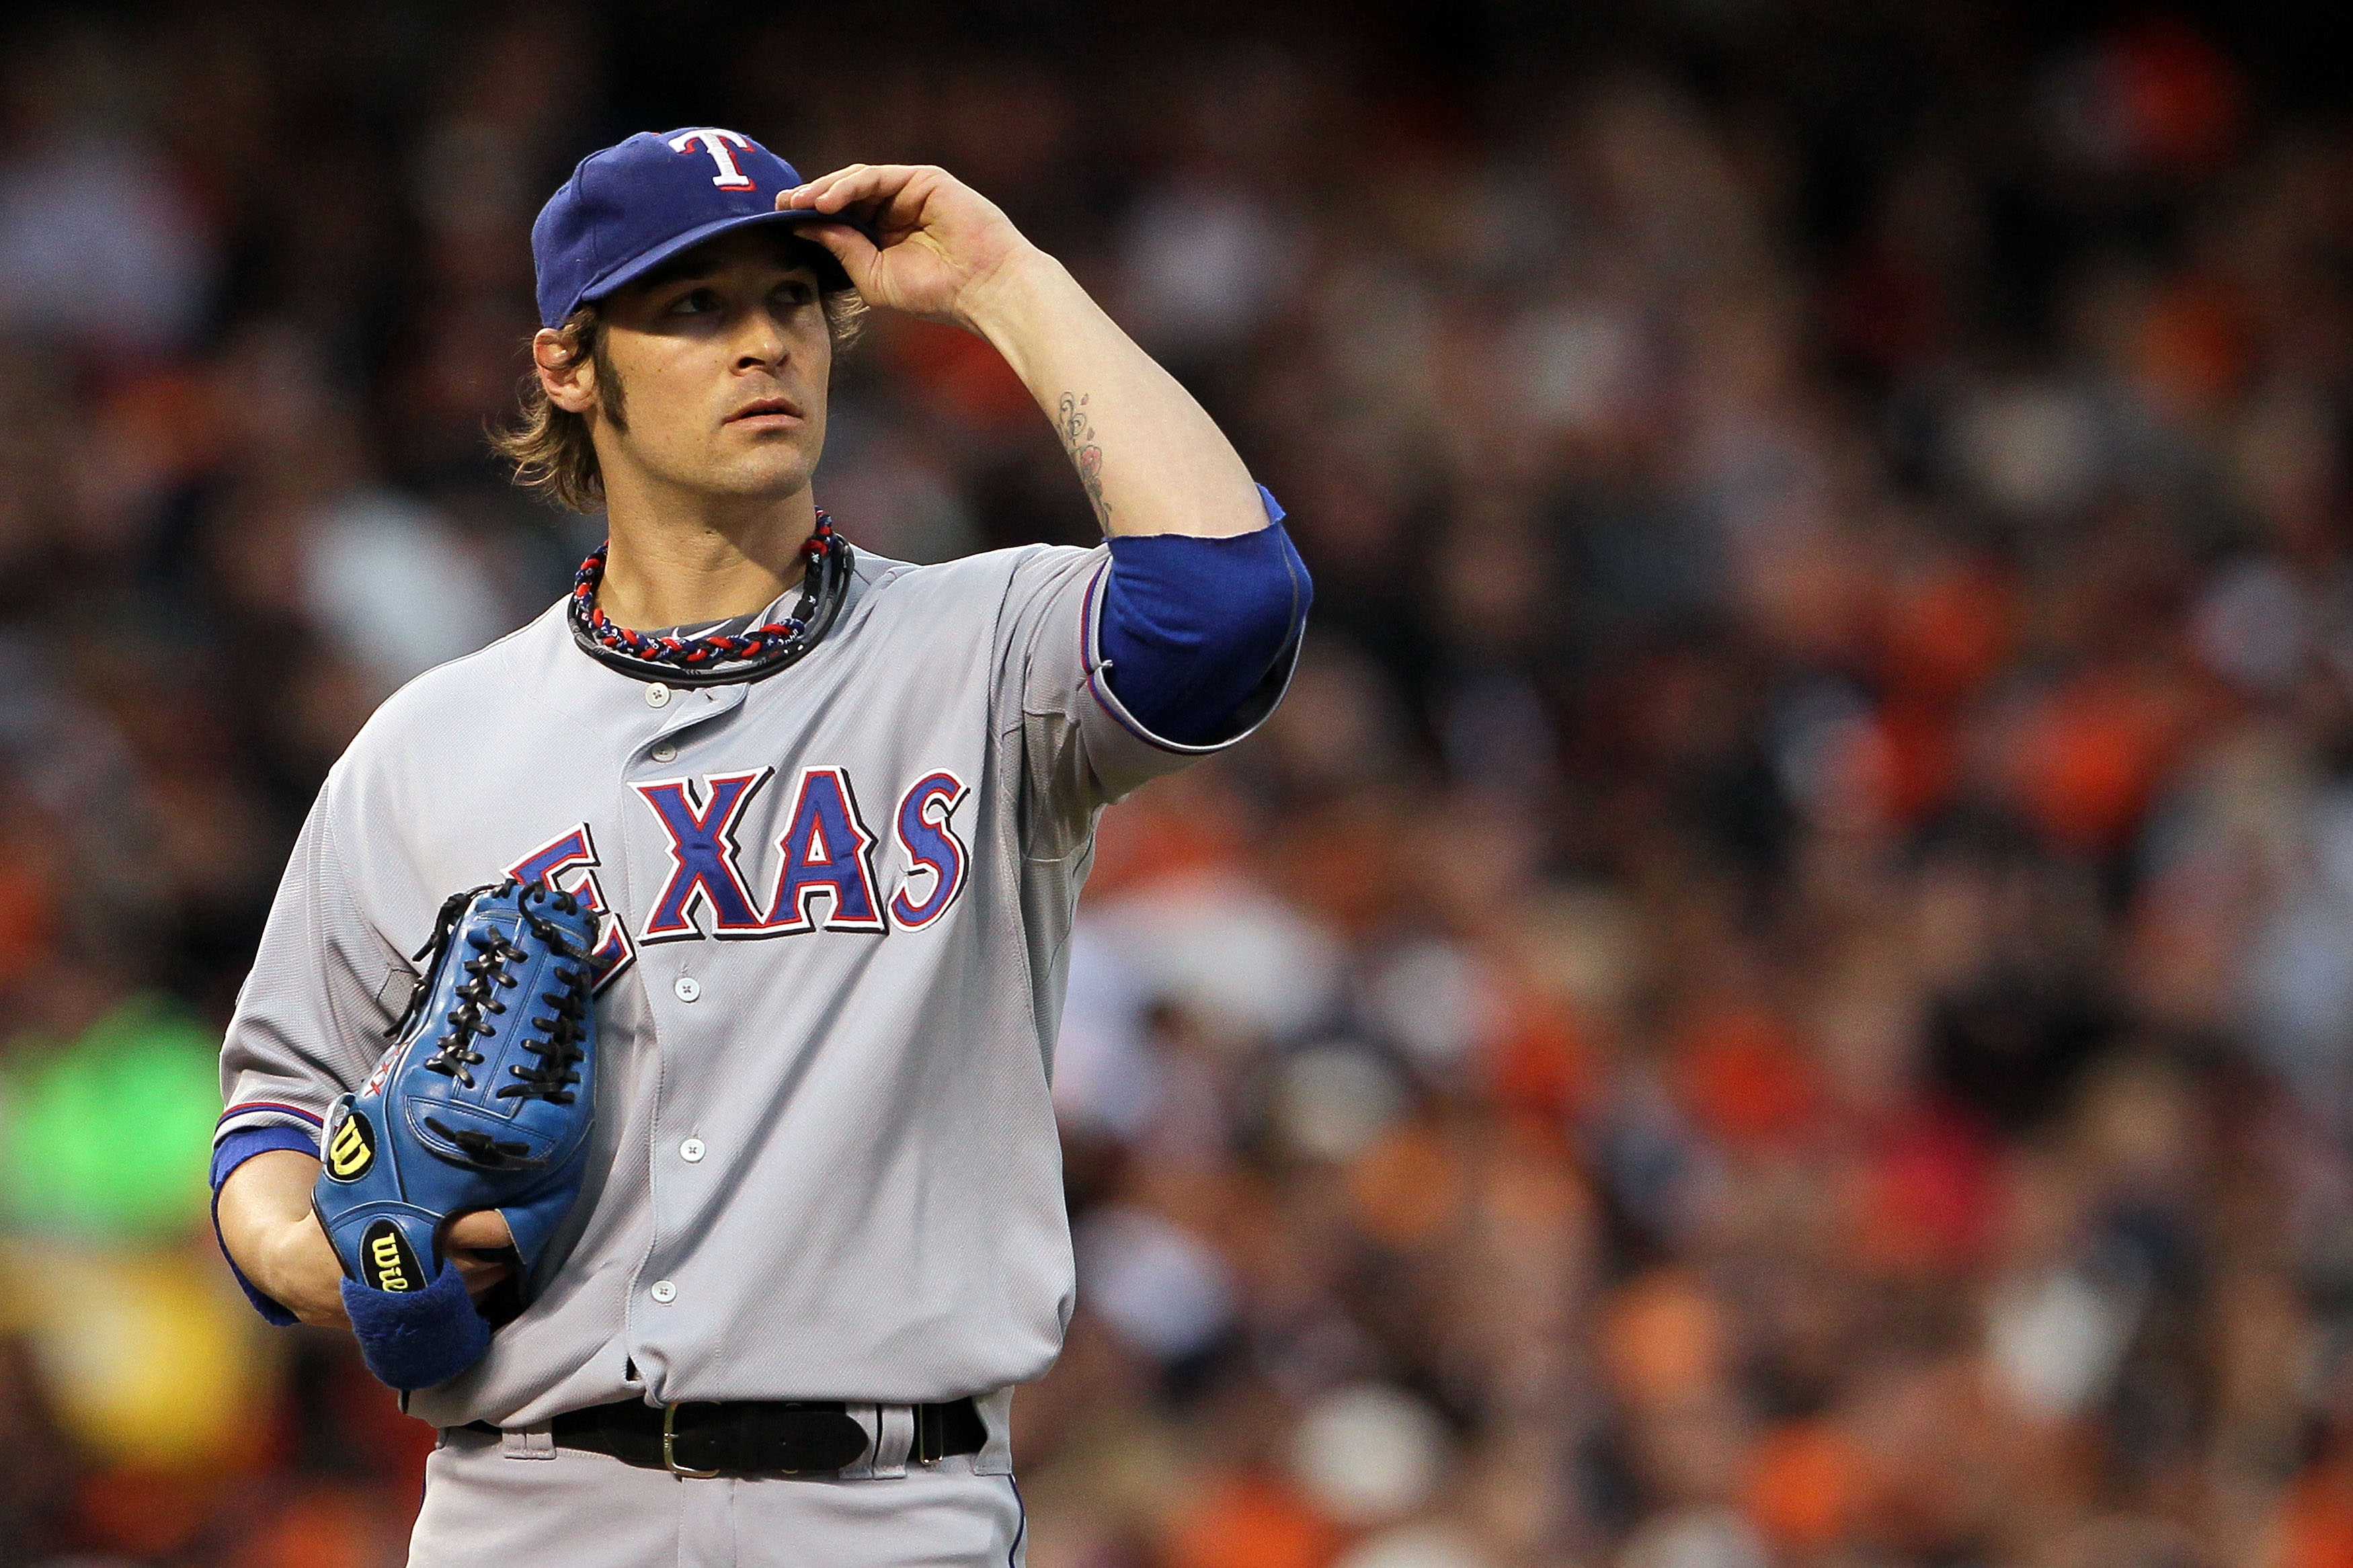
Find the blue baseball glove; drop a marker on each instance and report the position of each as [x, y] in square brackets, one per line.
[484, 1101]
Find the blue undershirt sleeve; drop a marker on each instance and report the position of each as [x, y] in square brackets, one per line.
[1191, 626]
[229, 1153]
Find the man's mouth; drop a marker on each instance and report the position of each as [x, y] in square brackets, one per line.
[766, 408]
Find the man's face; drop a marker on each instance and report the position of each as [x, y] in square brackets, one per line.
[722, 359]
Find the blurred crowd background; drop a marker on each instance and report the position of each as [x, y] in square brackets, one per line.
[1781, 994]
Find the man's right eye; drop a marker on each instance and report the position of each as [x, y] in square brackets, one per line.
[694, 302]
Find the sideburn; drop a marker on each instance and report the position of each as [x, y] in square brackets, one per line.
[611, 401]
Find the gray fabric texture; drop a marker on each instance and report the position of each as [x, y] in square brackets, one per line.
[521, 1505]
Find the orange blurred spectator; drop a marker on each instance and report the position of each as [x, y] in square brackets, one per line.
[1663, 1339]
[1744, 1077]
[2315, 1525]
[2088, 753]
[1803, 1485]
[1250, 1520]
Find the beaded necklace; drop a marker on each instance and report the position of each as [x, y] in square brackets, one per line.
[717, 656]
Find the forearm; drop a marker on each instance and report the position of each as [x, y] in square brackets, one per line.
[1148, 455]
[267, 1226]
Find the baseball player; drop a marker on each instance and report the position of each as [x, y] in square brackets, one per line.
[707, 1198]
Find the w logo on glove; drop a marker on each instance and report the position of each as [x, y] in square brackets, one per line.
[351, 1148]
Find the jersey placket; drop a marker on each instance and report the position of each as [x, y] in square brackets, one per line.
[660, 1310]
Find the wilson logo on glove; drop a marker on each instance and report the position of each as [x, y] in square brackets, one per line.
[352, 1150]
[390, 1265]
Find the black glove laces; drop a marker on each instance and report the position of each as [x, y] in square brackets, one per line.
[558, 1053]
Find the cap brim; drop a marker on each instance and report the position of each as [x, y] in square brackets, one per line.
[637, 267]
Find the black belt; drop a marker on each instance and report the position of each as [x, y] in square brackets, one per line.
[751, 1437]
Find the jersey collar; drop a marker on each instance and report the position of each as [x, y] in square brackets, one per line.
[717, 659]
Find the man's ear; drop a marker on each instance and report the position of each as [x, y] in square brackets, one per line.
[568, 378]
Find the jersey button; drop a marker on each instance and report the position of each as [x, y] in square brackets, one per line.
[664, 1291]
[665, 752]
[691, 1150]
[657, 695]
[688, 988]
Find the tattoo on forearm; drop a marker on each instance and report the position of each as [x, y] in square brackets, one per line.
[1078, 431]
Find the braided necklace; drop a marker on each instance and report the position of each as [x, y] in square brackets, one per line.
[717, 656]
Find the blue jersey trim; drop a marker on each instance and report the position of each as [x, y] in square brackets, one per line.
[234, 1150]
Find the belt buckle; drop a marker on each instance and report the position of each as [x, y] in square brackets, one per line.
[670, 1441]
[931, 1437]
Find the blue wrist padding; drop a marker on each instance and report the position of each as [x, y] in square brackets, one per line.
[1191, 626]
[229, 1153]
[415, 1339]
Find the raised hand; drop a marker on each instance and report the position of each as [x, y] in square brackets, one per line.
[1150, 459]
[939, 245]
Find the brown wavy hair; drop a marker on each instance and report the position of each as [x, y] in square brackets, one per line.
[549, 447]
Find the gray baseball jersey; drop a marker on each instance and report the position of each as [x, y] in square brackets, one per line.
[836, 906]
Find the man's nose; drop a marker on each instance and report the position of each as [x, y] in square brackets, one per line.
[762, 342]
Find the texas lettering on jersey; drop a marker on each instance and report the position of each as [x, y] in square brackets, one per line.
[825, 872]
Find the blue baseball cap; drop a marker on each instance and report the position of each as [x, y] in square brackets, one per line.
[631, 207]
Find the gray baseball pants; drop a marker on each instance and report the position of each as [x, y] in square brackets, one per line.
[526, 1505]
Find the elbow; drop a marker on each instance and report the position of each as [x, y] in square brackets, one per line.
[1191, 626]
[1218, 599]
[1271, 601]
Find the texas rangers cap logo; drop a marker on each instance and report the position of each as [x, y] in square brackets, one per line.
[634, 206]
[719, 144]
